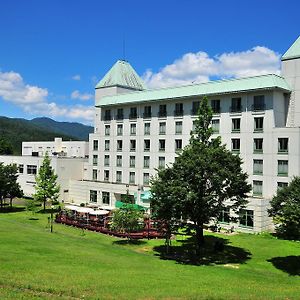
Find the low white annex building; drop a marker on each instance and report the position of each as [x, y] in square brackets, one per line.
[138, 130]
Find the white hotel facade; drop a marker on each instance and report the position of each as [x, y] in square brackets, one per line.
[138, 130]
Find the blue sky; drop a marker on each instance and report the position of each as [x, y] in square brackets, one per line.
[52, 52]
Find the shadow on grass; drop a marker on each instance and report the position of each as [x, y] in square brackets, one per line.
[8, 209]
[48, 210]
[33, 219]
[215, 250]
[288, 264]
[129, 242]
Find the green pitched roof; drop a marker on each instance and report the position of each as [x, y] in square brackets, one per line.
[219, 87]
[123, 75]
[293, 51]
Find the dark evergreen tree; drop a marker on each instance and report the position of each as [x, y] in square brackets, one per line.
[204, 179]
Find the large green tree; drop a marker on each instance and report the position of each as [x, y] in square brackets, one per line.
[46, 188]
[285, 210]
[5, 147]
[204, 179]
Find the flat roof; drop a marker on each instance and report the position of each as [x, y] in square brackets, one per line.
[219, 87]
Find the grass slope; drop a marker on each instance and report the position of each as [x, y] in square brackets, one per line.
[68, 264]
[15, 131]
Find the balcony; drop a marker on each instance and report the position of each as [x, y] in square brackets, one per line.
[216, 110]
[236, 109]
[162, 114]
[178, 113]
[107, 118]
[147, 115]
[133, 116]
[119, 117]
[258, 107]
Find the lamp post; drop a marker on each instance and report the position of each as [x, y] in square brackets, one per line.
[51, 219]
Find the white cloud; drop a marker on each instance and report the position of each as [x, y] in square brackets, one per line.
[76, 77]
[199, 67]
[35, 100]
[84, 97]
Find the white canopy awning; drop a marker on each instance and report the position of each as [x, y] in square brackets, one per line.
[79, 208]
[71, 207]
[100, 212]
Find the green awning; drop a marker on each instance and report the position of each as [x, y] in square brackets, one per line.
[145, 196]
[120, 204]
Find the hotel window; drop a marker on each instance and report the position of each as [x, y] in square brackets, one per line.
[178, 127]
[162, 145]
[132, 161]
[106, 145]
[132, 129]
[119, 176]
[119, 145]
[236, 105]
[120, 115]
[95, 145]
[235, 145]
[258, 166]
[93, 196]
[257, 188]
[246, 218]
[132, 145]
[161, 162]
[258, 124]
[178, 109]
[107, 130]
[216, 106]
[94, 174]
[105, 198]
[132, 177]
[146, 145]
[215, 125]
[283, 145]
[106, 160]
[146, 162]
[281, 185]
[133, 113]
[178, 145]
[162, 111]
[147, 112]
[107, 115]
[283, 168]
[259, 103]
[21, 169]
[236, 125]
[106, 175]
[162, 128]
[146, 178]
[147, 129]
[224, 216]
[31, 169]
[119, 160]
[195, 107]
[95, 160]
[120, 129]
[258, 145]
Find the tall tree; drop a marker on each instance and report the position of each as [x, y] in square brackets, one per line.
[285, 210]
[46, 185]
[5, 147]
[207, 177]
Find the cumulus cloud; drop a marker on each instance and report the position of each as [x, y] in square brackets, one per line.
[78, 96]
[35, 100]
[76, 77]
[200, 67]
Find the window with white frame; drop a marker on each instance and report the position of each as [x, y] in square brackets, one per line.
[106, 160]
[258, 145]
[236, 125]
[95, 173]
[132, 145]
[95, 145]
[178, 127]
[106, 198]
[246, 218]
[93, 196]
[132, 177]
[146, 128]
[95, 160]
[258, 124]
[235, 145]
[224, 216]
[106, 145]
[215, 125]
[178, 144]
[107, 130]
[119, 145]
[146, 161]
[132, 129]
[283, 145]
[162, 128]
[106, 175]
[257, 166]
[31, 169]
[162, 145]
[146, 178]
[21, 168]
[146, 145]
[120, 129]
[283, 168]
[119, 176]
[119, 160]
[161, 162]
[281, 185]
[257, 188]
[132, 161]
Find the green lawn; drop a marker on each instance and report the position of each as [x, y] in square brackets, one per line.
[70, 264]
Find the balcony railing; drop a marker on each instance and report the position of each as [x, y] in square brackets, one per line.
[107, 117]
[236, 109]
[162, 114]
[216, 110]
[133, 116]
[120, 117]
[258, 107]
[147, 115]
[178, 113]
